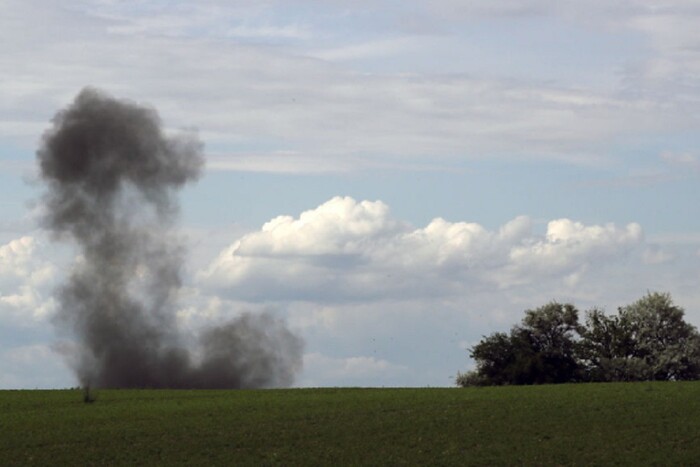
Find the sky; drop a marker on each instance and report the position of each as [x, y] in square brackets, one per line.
[394, 179]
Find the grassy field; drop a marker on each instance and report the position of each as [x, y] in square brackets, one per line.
[630, 424]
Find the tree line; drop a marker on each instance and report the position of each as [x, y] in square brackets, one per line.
[647, 340]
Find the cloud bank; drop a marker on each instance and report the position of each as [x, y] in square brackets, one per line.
[345, 250]
[379, 100]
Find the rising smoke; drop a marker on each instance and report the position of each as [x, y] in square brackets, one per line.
[111, 175]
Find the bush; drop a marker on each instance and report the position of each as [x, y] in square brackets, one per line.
[470, 378]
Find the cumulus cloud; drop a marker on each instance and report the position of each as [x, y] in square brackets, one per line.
[345, 250]
[25, 281]
[568, 248]
[15, 256]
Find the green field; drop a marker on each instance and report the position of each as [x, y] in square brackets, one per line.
[631, 424]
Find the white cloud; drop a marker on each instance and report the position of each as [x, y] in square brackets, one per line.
[568, 248]
[15, 256]
[25, 282]
[346, 250]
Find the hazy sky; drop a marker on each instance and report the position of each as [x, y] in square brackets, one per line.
[395, 179]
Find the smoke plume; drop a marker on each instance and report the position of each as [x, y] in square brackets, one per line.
[111, 176]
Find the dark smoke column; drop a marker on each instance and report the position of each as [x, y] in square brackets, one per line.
[111, 175]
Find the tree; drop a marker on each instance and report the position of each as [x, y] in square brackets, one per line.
[607, 350]
[541, 350]
[553, 331]
[647, 340]
[506, 359]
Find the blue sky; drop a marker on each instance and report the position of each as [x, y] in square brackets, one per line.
[440, 166]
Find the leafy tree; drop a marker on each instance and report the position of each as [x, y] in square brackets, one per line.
[541, 350]
[553, 332]
[607, 350]
[647, 340]
[506, 359]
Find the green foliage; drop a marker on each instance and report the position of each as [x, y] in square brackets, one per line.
[654, 342]
[541, 350]
[582, 424]
[647, 340]
[471, 378]
[551, 332]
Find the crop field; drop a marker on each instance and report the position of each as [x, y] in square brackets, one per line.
[623, 424]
